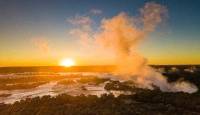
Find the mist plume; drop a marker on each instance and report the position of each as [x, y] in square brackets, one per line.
[122, 34]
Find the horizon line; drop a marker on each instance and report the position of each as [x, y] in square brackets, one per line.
[97, 65]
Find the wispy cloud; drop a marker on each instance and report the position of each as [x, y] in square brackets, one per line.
[41, 43]
[80, 20]
[81, 28]
[96, 11]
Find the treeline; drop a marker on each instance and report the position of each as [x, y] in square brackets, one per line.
[144, 102]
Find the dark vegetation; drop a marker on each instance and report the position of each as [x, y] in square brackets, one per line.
[120, 86]
[192, 75]
[93, 80]
[143, 102]
[184, 76]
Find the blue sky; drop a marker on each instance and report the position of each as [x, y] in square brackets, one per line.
[175, 42]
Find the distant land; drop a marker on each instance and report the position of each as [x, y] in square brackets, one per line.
[105, 68]
[97, 68]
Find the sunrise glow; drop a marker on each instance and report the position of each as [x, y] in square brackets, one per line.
[68, 62]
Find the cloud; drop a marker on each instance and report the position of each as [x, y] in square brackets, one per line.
[80, 20]
[41, 43]
[96, 11]
[153, 14]
[81, 28]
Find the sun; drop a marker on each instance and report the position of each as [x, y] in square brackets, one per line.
[68, 62]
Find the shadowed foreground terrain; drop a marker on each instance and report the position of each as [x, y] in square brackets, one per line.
[138, 102]
[143, 102]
